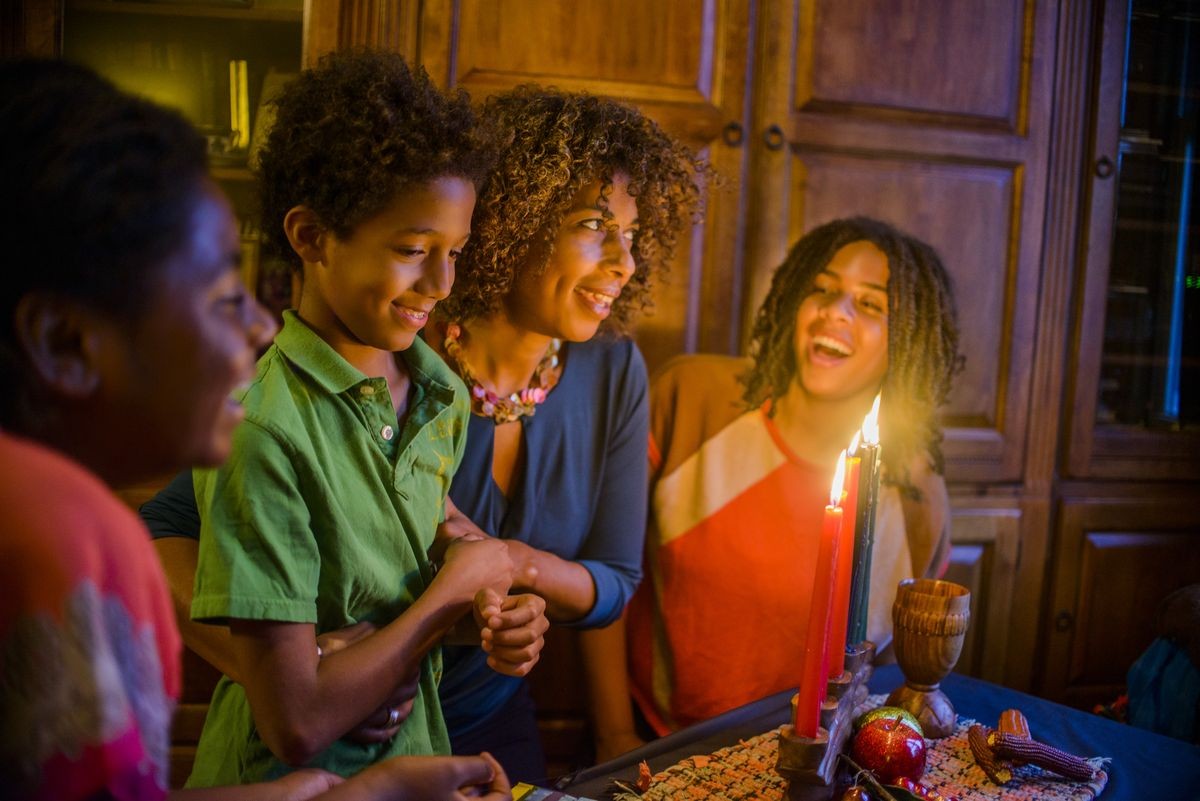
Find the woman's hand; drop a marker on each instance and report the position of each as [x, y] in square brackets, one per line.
[511, 629]
[525, 572]
[385, 722]
[439, 778]
[299, 785]
[474, 565]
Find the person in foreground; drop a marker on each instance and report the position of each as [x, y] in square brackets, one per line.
[325, 513]
[574, 224]
[742, 454]
[125, 329]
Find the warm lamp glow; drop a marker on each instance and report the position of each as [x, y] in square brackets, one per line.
[839, 478]
[870, 426]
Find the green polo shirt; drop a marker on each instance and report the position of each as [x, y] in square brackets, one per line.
[323, 514]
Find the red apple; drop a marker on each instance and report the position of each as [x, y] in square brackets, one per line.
[890, 749]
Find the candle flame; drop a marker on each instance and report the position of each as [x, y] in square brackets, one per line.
[870, 426]
[839, 478]
[853, 449]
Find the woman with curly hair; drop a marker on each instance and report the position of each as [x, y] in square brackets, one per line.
[574, 224]
[742, 455]
[326, 513]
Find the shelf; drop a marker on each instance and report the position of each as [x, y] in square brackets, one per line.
[260, 12]
[231, 174]
[1153, 226]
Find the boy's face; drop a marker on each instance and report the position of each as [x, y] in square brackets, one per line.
[591, 263]
[842, 326]
[172, 377]
[383, 280]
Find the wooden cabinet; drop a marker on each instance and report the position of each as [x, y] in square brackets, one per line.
[1136, 389]
[1119, 551]
[985, 537]
[933, 116]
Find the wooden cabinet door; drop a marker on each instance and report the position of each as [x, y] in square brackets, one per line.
[1115, 559]
[984, 535]
[933, 116]
[1099, 449]
[682, 63]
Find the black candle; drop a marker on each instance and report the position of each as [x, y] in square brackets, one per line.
[864, 528]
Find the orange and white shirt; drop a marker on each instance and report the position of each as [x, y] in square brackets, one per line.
[721, 618]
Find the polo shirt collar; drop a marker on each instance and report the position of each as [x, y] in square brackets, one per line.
[304, 348]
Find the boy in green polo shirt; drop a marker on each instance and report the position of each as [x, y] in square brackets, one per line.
[324, 513]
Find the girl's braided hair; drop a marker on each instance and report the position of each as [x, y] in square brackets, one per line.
[923, 335]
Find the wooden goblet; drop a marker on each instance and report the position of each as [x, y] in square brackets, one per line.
[930, 619]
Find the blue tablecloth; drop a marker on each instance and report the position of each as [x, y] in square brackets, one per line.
[1145, 766]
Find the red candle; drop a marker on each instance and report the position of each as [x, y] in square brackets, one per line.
[840, 610]
[812, 680]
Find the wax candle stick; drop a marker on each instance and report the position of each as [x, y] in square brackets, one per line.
[865, 537]
[864, 527]
[840, 610]
[812, 680]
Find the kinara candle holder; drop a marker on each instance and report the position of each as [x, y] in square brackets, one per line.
[809, 764]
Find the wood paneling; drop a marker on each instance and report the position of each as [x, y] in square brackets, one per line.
[984, 559]
[971, 198]
[199, 679]
[558, 689]
[928, 115]
[30, 28]
[681, 63]
[1092, 450]
[1116, 558]
[340, 24]
[873, 58]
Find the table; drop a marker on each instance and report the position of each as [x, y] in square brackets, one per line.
[1145, 766]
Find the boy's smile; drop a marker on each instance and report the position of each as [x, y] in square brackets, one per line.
[373, 290]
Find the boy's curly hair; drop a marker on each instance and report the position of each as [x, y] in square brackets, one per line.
[552, 143]
[354, 131]
[923, 352]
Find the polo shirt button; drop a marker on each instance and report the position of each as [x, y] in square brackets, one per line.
[366, 389]
[387, 433]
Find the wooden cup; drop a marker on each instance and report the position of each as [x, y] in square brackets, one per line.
[930, 619]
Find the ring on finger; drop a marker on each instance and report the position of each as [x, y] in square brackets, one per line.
[393, 717]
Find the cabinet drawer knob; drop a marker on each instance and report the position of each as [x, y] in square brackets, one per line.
[773, 137]
[1063, 621]
[1104, 167]
[732, 134]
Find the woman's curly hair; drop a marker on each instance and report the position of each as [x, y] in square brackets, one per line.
[353, 132]
[552, 143]
[923, 352]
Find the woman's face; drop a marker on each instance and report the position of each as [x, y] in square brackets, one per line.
[591, 262]
[842, 326]
[196, 344]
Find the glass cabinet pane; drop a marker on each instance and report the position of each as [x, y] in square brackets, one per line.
[1150, 368]
[216, 62]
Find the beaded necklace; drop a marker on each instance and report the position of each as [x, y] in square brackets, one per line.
[486, 403]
